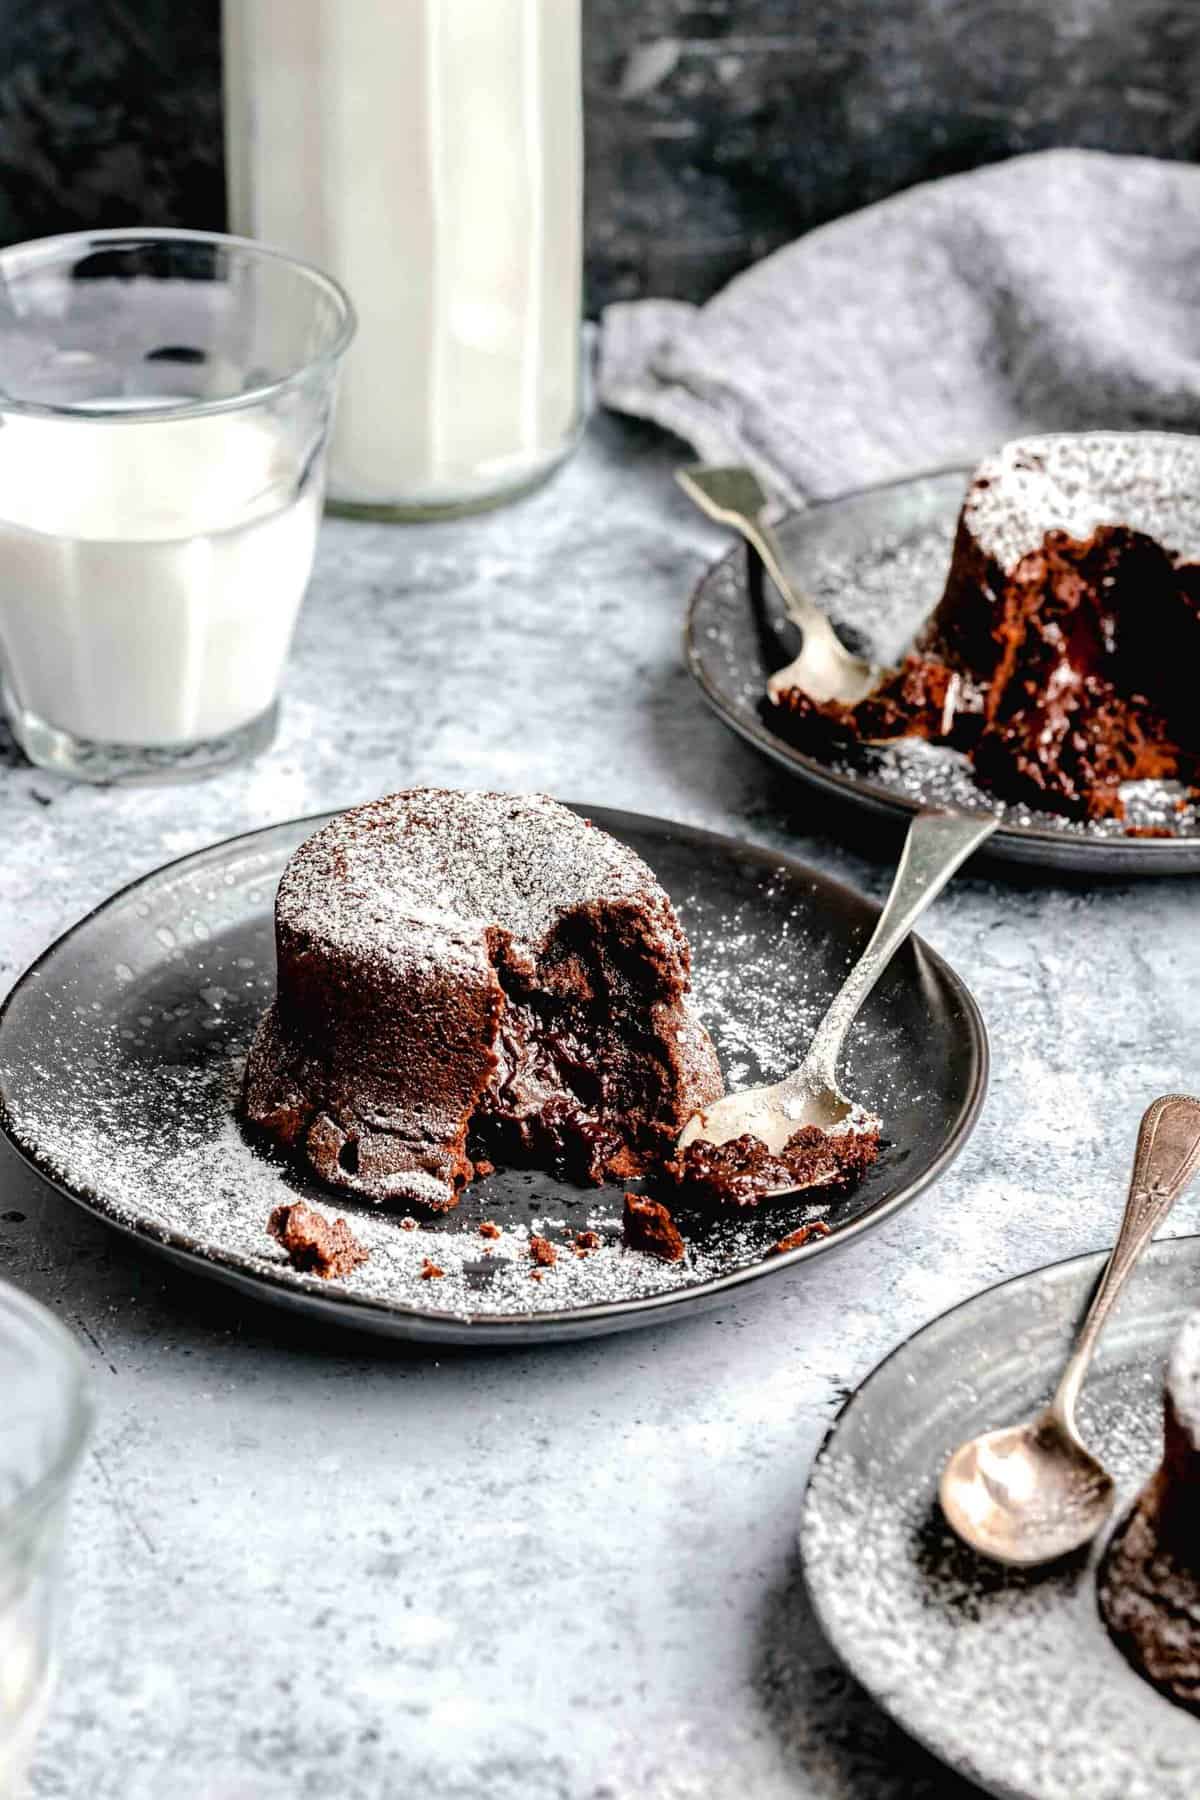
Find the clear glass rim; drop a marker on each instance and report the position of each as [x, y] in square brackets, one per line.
[68, 1358]
[133, 235]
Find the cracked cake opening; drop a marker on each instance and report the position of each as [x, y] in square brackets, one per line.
[469, 978]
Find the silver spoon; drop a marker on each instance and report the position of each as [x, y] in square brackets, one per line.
[1030, 1493]
[937, 844]
[825, 669]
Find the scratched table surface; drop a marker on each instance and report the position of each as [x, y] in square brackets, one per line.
[302, 1564]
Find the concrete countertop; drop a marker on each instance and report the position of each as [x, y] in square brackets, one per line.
[311, 1566]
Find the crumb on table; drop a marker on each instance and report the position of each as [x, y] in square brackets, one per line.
[430, 1271]
[543, 1252]
[489, 1229]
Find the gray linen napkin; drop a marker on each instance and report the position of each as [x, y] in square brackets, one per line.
[1059, 291]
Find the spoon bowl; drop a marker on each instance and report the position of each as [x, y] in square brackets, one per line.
[774, 1114]
[824, 669]
[1026, 1494]
[937, 844]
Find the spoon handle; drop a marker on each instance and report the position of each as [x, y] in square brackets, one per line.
[1168, 1151]
[936, 846]
[799, 608]
[734, 496]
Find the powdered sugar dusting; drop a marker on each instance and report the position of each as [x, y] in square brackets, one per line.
[933, 775]
[1076, 482]
[1008, 1675]
[438, 864]
[1183, 1376]
[124, 1080]
[876, 564]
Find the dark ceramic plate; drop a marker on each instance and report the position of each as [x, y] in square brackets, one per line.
[121, 1051]
[876, 562]
[1008, 1675]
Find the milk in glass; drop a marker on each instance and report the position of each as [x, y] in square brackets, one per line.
[150, 572]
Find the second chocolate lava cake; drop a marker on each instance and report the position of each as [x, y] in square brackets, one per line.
[1150, 1578]
[1063, 653]
[467, 976]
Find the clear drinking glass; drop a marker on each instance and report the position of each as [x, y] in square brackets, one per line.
[44, 1418]
[165, 402]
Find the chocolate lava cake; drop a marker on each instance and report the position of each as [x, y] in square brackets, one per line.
[467, 978]
[1062, 656]
[1150, 1580]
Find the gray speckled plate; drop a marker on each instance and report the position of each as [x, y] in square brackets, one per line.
[121, 1054]
[1008, 1675]
[876, 562]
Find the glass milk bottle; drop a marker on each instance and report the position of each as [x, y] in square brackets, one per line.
[428, 153]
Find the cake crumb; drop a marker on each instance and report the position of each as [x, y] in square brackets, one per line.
[407, 1224]
[488, 1228]
[483, 1168]
[313, 1245]
[535, 1274]
[430, 1271]
[742, 1171]
[804, 1234]
[648, 1226]
[543, 1252]
[586, 1241]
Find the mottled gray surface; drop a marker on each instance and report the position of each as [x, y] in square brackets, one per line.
[311, 1568]
[717, 129]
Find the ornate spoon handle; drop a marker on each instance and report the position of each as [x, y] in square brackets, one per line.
[937, 844]
[1168, 1152]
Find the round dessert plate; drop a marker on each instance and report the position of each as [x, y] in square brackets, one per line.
[121, 1053]
[876, 562]
[1008, 1675]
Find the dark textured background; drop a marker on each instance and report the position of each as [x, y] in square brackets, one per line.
[715, 130]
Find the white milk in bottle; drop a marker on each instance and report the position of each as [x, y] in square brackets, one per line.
[150, 573]
[427, 153]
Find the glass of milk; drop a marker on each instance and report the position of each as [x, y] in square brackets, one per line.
[430, 154]
[45, 1414]
[165, 403]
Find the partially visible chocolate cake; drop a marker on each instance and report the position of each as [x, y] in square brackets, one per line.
[1150, 1580]
[1062, 655]
[468, 978]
